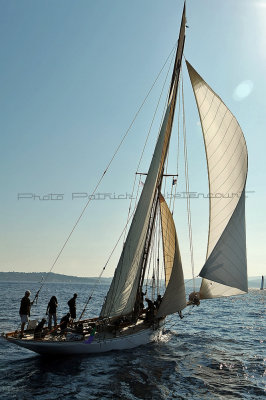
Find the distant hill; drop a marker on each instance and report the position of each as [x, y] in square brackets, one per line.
[38, 276]
[253, 281]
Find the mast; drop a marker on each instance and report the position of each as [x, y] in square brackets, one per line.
[173, 85]
[121, 297]
[148, 244]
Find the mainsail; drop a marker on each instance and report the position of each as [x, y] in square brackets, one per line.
[174, 298]
[122, 294]
[225, 269]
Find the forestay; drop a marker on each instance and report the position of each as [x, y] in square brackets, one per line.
[225, 269]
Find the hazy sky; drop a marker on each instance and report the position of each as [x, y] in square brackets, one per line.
[73, 74]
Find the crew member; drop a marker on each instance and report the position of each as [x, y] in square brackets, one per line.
[150, 309]
[51, 312]
[39, 328]
[64, 322]
[158, 301]
[24, 310]
[72, 306]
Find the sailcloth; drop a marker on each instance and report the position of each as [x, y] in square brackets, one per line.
[225, 269]
[122, 294]
[174, 298]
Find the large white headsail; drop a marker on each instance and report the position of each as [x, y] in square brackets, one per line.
[122, 294]
[225, 269]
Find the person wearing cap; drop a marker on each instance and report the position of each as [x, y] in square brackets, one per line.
[24, 310]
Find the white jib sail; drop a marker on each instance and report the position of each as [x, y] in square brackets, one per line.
[225, 269]
[174, 298]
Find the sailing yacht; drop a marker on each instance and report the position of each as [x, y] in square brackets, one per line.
[262, 283]
[124, 322]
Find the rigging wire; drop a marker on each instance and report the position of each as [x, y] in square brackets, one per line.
[158, 256]
[187, 186]
[149, 265]
[105, 265]
[166, 170]
[152, 251]
[155, 256]
[136, 199]
[102, 176]
[178, 145]
[147, 138]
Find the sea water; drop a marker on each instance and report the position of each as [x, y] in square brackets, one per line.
[217, 351]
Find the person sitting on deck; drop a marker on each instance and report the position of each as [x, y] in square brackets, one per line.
[72, 306]
[64, 322]
[24, 310]
[194, 299]
[38, 331]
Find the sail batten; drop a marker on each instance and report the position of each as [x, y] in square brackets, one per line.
[225, 270]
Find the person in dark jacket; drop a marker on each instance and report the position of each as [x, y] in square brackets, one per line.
[24, 310]
[64, 322]
[51, 312]
[158, 301]
[39, 328]
[72, 306]
[150, 310]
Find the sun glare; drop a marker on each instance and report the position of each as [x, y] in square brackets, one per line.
[243, 90]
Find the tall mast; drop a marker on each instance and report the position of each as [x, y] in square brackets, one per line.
[172, 92]
[121, 297]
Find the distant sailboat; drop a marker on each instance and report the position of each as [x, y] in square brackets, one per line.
[262, 283]
[124, 322]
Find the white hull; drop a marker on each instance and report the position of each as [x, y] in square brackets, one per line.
[142, 337]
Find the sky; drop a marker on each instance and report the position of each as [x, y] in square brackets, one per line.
[73, 75]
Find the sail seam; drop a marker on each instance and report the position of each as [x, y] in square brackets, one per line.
[228, 162]
[215, 115]
[217, 132]
[218, 145]
[244, 162]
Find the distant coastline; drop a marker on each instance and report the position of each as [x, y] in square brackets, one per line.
[49, 277]
[253, 282]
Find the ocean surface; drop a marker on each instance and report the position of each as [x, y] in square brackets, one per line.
[217, 351]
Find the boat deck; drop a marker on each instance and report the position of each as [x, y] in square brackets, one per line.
[102, 331]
